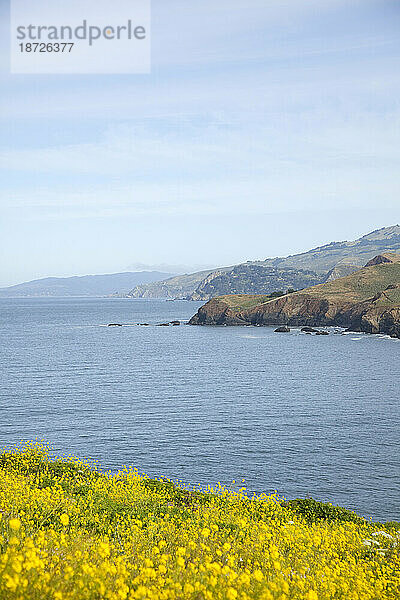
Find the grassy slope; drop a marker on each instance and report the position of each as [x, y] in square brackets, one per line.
[244, 301]
[320, 260]
[358, 252]
[362, 285]
[357, 287]
[69, 532]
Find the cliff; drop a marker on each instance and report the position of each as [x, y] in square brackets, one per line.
[253, 279]
[179, 286]
[368, 300]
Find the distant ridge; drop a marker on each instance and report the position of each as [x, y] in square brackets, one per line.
[321, 264]
[86, 285]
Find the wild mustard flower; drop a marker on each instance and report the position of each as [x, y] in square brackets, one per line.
[64, 519]
[14, 524]
[69, 532]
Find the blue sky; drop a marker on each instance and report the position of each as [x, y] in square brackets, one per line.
[265, 128]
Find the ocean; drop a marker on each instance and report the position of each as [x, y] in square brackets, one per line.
[298, 414]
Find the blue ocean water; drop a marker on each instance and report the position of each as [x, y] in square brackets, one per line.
[303, 415]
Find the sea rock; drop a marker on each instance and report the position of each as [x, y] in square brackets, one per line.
[175, 323]
[309, 329]
[283, 329]
[163, 325]
[114, 325]
[322, 333]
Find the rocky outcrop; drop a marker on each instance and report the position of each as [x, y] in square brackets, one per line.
[298, 311]
[389, 322]
[383, 258]
[292, 309]
[345, 302]
[369, 317]
[217, 312]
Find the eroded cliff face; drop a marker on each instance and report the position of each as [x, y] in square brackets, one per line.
[296, 309]
[390, 322]
[368, 301]
[217, 312]
[293, 309]
[370, 316]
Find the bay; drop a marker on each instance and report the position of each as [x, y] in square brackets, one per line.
[299, 414]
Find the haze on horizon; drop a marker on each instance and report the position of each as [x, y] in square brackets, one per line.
[265, 129]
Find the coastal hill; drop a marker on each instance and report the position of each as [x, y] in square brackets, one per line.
[179, 286]
[87, 285]
[367, 300]
[319, 265]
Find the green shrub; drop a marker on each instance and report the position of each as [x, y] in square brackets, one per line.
[313, 510]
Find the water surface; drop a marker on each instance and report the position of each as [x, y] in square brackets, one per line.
[300, 414]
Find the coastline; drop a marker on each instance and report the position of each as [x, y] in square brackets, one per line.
[366, 301]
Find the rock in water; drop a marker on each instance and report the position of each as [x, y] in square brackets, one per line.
[114, 325]
[283, 329]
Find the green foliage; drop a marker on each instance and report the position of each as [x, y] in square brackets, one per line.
[392, 526]
[313, 510]
[277, 294]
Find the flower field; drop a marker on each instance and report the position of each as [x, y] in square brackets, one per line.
[68, 531]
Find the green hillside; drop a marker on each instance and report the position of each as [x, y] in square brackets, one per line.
[357, 287]
[368, 300]
[362, 285]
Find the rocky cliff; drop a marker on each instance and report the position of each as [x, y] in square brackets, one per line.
[254, 279]
[368, 300]
[179, 286]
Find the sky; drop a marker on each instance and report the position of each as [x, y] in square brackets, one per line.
[265, 128]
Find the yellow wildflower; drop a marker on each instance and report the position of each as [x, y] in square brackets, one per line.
[14, 524]
[64, 519]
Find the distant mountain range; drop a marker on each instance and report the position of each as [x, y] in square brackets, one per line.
[299, 271]
[87, 285]
[325, 263]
